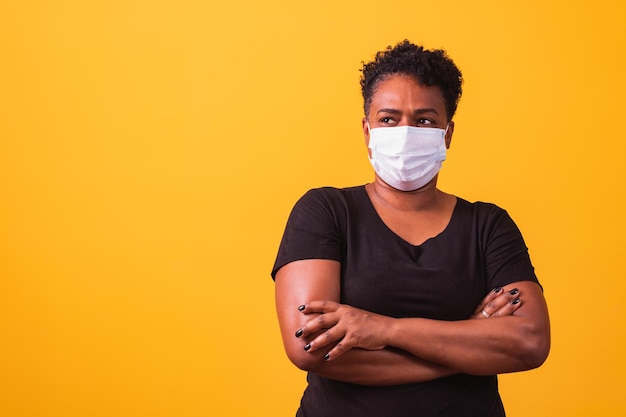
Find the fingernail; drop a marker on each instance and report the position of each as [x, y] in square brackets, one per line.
[327, 356]
[514, 291]
[301, 308]
[497, 289]
[298, 332]
[307, 346]
[516, 301]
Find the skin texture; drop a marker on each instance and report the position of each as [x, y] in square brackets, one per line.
[508, 332]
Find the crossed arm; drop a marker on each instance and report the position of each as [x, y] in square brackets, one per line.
[348, 344]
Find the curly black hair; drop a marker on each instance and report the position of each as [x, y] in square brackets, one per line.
[428, 67]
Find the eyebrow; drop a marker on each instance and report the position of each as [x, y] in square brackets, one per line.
[416, 112]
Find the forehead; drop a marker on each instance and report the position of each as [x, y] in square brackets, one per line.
[403, 91]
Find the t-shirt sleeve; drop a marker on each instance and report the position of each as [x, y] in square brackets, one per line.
[312, 231]
[505, 253]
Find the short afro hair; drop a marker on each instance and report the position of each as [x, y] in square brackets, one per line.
[428, 67]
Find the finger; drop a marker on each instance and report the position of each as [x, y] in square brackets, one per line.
[481, 314]
[316, 324]
[319, 306]
[500, 301]
[492, 295]
[509, 308]
[329, 336]
[337, 351]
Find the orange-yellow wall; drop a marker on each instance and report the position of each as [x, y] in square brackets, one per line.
[150, 152]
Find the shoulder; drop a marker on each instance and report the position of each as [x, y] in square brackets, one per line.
[480, 211]
[490, 222]
[479, 207]
[331, 196]
[334, 192]
[326, 204]
[486, 218]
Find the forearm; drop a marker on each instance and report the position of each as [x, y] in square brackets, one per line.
[516, 341]
[481, 347]
[302, 281]
[472, 346]
[379, 368]
[389, 366]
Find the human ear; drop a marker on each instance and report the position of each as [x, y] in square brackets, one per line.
[449, 133]
[366, 130]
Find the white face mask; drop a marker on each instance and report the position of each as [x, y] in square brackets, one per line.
[407, 157]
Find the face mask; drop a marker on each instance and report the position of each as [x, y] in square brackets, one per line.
[407, 157]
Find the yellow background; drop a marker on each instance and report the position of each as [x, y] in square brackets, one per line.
[150, 152]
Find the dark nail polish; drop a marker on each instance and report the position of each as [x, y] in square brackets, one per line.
[327, 356]
[307, 346]
[516, 301]
[301, 308]
[298, 332]
[514, 291]
[497, 289]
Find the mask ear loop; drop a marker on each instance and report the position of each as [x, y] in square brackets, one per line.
[445, 133]
[369, 132]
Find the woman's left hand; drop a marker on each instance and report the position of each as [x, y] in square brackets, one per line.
[497, 303]
[350, 327]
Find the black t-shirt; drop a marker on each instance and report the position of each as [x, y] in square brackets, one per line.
[444, 278]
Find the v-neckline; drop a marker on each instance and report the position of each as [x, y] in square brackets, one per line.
[371, 206]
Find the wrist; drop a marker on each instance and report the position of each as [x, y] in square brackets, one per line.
[391, 330]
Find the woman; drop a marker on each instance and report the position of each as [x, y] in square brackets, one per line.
[397, 298]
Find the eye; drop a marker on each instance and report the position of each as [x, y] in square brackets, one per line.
[386, 120]
[422, 121]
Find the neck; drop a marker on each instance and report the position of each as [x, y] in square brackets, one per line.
[425, 198]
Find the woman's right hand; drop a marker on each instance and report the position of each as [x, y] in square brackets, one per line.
[499, 302]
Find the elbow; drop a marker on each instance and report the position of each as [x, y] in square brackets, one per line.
[300, 358]
[535, 350]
